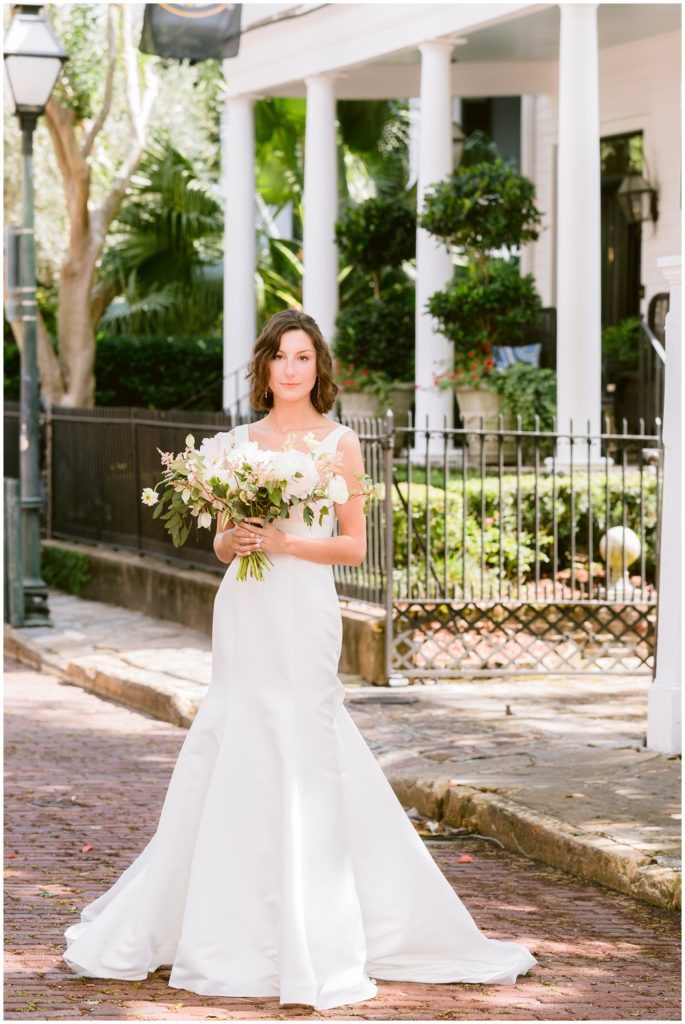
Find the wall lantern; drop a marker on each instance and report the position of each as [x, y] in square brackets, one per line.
[458, 140]
[637, 199]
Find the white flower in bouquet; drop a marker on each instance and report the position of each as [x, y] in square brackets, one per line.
[149, 496]
[241, 480]
[337, 489]
[217, 447]
[299, 471]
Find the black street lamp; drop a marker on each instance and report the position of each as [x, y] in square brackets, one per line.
[33, 61]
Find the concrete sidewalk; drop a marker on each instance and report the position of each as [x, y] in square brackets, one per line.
[552, 768]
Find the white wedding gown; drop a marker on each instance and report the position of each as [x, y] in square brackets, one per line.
[283, 864]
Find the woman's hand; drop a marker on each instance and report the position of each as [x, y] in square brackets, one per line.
[235, 541]
[265, 536]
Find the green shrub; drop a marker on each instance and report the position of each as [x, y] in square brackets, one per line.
[487, 521]
[620, 345]
[492, 309]
[159, 372]
[379, 334]
[377, 331]
[12, 366]
[380, 232]
[482, 207]
[527, 391]
[65, 570]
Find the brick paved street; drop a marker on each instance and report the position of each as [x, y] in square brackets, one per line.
[84, 771]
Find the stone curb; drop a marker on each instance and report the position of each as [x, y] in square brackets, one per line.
[593, 857]
[139, 689]
[588, 856]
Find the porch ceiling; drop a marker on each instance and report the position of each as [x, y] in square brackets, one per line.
[533, 35]
[509, 51]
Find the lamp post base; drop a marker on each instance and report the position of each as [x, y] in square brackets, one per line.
[36, 609]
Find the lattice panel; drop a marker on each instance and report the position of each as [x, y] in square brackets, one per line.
[448, 638]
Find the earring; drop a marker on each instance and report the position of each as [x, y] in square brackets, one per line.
[266, 393]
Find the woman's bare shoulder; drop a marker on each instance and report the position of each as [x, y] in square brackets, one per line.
[349, 440]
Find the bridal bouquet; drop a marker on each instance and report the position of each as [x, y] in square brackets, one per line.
[234, 481]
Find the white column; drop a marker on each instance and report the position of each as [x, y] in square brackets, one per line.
[320, 286]
[664, 708]
[528, 129]
[579, 349]
[433, 352]
[414, 130]
[240, 317]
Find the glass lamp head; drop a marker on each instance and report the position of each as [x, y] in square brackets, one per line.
[33, 60]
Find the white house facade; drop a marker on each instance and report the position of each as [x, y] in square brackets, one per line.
[581, 72]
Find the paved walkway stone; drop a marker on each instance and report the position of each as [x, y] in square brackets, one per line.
[84, 771]
[553, 768]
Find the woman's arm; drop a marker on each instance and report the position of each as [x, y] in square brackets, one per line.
[350, 547]
[223, 546]
[224, 538]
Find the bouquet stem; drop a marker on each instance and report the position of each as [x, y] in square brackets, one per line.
[253, 565]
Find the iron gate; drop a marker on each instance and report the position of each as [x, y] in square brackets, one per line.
[493, 538]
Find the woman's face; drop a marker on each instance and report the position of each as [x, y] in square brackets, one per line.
[292, 371]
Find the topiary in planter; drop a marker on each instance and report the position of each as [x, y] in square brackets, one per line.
[379, 334]
[380, 232]
[482, 209]
[489, 305]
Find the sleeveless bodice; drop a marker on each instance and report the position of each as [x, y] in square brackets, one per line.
[295, 524]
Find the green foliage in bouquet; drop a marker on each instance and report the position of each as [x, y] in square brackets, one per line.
[220, 480]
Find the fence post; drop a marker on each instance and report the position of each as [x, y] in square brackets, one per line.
[48, 471]
[14, 561]
[392, 678]
[136, 476]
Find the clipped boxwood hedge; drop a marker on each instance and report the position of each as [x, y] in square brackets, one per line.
[483, 513]
[159, 372]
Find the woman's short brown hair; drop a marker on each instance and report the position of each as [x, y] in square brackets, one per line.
[266, 347]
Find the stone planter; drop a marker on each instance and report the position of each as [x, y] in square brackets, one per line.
[359, 403]
[477, 403]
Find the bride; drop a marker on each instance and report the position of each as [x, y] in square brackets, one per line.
[283, 864]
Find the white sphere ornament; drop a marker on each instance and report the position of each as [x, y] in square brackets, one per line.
[619, 547]
[619, 539]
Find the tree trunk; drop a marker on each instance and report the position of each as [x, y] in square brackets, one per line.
[81, 301]
[76, 332]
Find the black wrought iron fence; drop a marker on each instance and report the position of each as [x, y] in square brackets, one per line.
[485, 549]
[100, 460]
[519, 551]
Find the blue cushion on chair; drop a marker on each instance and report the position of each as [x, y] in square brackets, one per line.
[508, 355]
